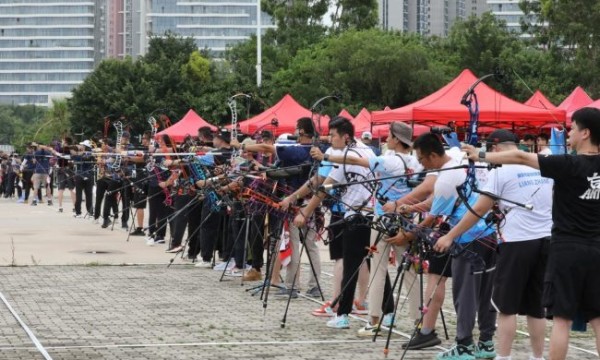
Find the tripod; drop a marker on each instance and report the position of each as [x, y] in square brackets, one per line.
[409, 259]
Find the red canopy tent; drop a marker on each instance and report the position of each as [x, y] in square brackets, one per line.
[188, 125]
[444, 106]
[286, 113]
[575, 101]
[346, 114]
[538, 100]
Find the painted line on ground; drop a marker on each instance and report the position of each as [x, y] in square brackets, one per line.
[30, 333]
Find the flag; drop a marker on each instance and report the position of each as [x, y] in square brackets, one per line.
[285, 248]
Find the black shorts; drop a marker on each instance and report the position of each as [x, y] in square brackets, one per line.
[65, 178]
[440, 264]
[572, 283]
[139, 197]
[336, 245]
[518, 284]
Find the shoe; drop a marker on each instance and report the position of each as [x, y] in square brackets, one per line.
[21, 200]
[485, 350]
[60, 210]
[368, 330]
[150, 241]
[252, 275]
[339, 322]
[313, 292]
[124, 226]
[49, 202]
[284, 293]
[137, 232]
[235, 272]
[159, 241]
[96, 221]
[359, 309]
[421, 341]
[324, 311]
[221, 266]
[458, 352]
[204, 264]
[175, 249]
[77, 216]
[387, 320]
[105, 223]
[34, 203]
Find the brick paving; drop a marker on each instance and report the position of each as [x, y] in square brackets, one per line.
[82, 305]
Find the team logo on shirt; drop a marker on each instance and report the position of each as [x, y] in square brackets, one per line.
[593, 193]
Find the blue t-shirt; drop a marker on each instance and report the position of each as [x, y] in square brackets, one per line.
[446, 202]
[292, 155]
[42, 161]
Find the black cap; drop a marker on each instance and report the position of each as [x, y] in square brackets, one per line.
[224, 135]
[501, 136]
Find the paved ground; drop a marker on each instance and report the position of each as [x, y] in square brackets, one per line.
[67, 281]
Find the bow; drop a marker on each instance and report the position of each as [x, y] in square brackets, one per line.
[469, 100]
[232, 103]
[117, 161]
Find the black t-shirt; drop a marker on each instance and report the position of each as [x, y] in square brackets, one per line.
[576, 207]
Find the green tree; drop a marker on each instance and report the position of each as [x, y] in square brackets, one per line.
[354, 14]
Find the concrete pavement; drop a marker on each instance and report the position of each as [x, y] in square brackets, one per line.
[63, 290]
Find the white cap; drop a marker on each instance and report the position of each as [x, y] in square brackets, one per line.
[86, 143]
[283, 138]
[367, 135]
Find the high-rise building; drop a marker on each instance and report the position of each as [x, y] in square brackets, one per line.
[510, 12]
[215, 25]
[46, 48]
[427, 17]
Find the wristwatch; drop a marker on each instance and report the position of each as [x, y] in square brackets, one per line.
[482, 155]
[326, 157]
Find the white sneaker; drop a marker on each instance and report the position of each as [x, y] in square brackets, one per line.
[221, 266]
[150, 241]
[234, 272]
[204, 264]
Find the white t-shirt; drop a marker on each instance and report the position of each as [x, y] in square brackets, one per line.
[389, 165]
[357, 195]
[525, 185]
[545, 151]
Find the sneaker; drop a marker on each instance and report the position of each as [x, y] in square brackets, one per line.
[387, 320]
[60, 210]
[284, 293]
[204, 264]
[458, 352]
[34, 203]
[421, 341]
[368, 330]
[252, 275]
[137, 232]
[105, 223]
[77, 216]
[313, 292]
[359, 309]
[339, 322]
[325, 310]
[235, 272]
[150, 241]
[485, 350]
[96, 221]
[124, 226]
[49, 202]
[20, 201]
[175, 249]
[159, 241]
[221, 266]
